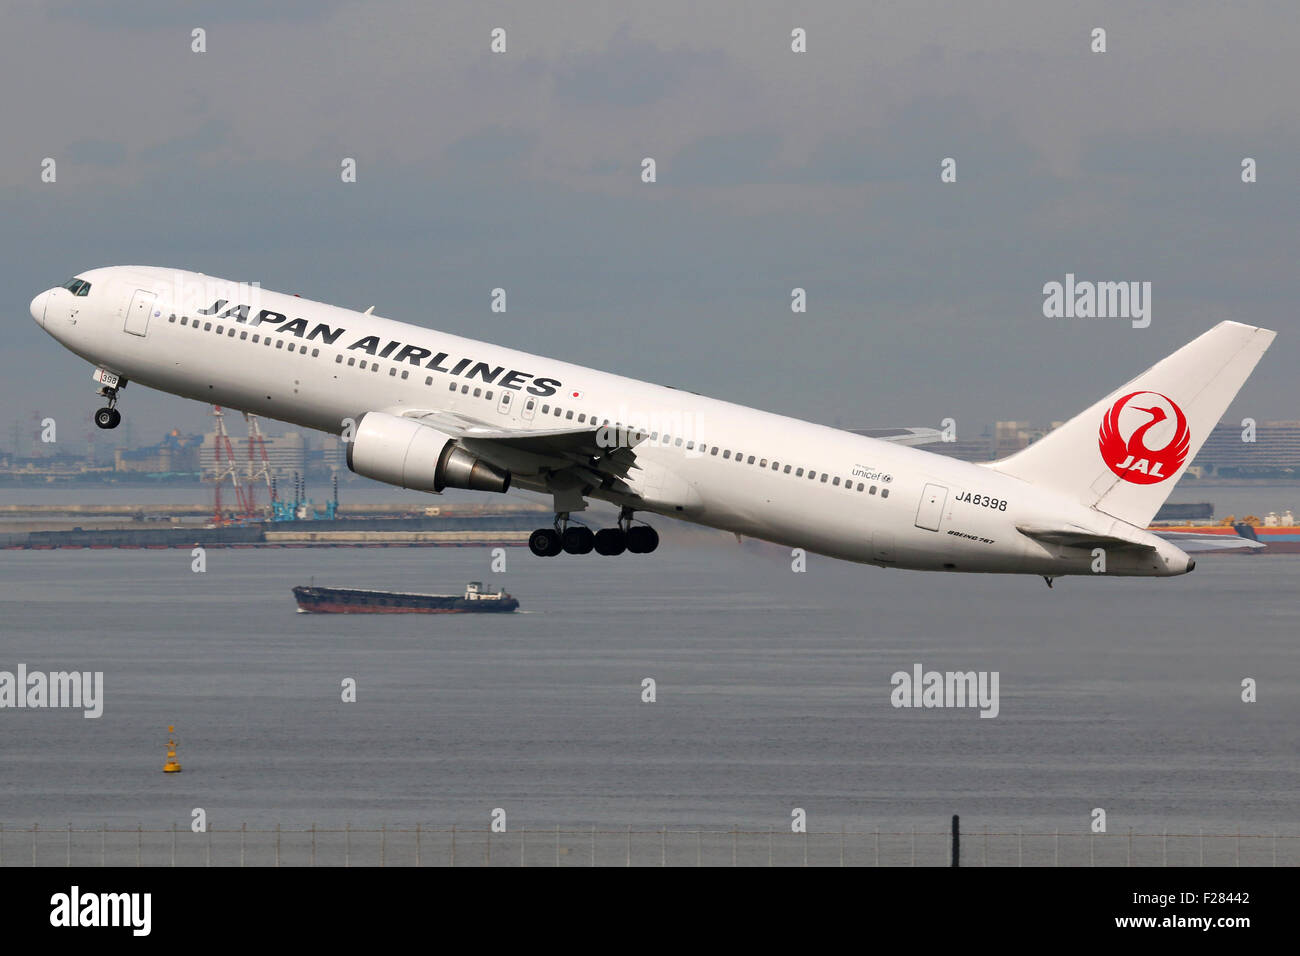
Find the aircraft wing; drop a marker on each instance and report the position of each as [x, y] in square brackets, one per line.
[585, 455]
[900, 434]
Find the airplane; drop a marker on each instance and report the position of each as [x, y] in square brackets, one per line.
[425, 410]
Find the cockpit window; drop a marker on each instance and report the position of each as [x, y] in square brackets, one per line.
[77, 286]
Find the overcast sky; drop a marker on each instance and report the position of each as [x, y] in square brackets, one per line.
[775, 170]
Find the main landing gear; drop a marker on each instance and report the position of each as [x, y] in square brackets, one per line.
[108, 416]
[579, 539]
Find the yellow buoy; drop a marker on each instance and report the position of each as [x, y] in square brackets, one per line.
[171, 766]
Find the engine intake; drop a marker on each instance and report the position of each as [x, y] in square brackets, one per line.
[403, 452]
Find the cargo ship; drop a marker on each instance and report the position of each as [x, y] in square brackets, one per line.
[1278, 533]
[314, 600]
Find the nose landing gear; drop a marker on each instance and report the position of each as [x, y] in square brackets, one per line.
[108, 416]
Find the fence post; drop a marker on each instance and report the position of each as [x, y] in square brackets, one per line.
[956, 840]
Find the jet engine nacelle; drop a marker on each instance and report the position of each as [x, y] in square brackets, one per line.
[403, 452]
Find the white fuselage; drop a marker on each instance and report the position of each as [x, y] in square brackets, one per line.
[300, 361]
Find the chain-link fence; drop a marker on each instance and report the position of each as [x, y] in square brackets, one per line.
[595, 846]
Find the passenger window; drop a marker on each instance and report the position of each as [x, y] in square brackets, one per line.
[678, 443]
[762, 463]
[392, 371]
[315, 352]
[713, 450]
[363, 364]
[727, 453]
[453, 384]
[185, 320]
[256, 338]
[488, 396]
[546, 409]
[405, 374]
[690, 445]
[207, 326]
[557, 411]
[812, 475]
[799, 473]
[172, 319]
[871, 490]
[290, 346]
[464, 389]
[582, 418]
[478, 393]
[352, 360]
[884, 492]
[859, 486]
[787, 469]
[530, 405]
[279, 343]
[243, 336]
[220, 330]
[569, 415]
[751, 460]
[836, 482]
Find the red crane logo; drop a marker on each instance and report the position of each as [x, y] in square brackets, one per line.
[1131, 459]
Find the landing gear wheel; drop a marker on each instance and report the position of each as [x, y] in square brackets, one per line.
[108, 418]
[642, 539]
[578, 539]
[544, 542]
[610, 541]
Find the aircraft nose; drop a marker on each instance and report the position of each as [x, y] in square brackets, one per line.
[38, 307]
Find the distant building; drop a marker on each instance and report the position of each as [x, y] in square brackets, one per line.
[1003, 439]
[176, 453]
[1275, 452]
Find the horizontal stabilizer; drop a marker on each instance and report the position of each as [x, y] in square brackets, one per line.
[1081, 538]
[1192, 542]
